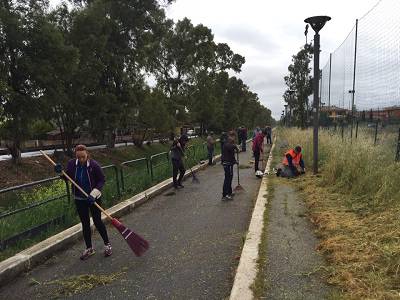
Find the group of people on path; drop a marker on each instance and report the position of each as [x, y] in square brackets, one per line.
[88, 174]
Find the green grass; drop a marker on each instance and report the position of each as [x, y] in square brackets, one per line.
[259, 285]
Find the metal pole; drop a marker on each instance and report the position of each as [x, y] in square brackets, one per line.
[330, 74]
[354, 81]
[356, 129]
[316, 103]
[397, 158]
[376, 132]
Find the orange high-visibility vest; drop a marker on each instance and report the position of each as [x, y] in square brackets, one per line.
[296, 157]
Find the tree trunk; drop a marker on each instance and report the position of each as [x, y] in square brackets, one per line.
[15, 150]
[110, 137]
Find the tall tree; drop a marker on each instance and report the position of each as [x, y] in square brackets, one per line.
[299, 80]
[19, 91]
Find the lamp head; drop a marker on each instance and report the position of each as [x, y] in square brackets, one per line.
[317, 22]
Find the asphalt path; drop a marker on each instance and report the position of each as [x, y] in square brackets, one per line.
[195, 241]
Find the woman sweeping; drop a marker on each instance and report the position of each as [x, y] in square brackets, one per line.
[88, 174]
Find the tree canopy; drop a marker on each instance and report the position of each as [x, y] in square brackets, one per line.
[103, 66]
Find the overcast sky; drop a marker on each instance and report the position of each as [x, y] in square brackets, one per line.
[268, 32]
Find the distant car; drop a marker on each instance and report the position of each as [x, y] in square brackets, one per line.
[371, 125]
[190, 132]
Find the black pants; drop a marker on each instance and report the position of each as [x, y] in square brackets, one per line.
[210, 155]
[244, 145]
[227, 188]
[256, 160]
[269, 140]
[83, 207]
[177, 166]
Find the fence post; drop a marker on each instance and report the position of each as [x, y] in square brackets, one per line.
[68, 192]
[117, 177]
[151, 168]
[342, 131]
[398, 148]
[122, 178]
[356, 129]
[376, 132]
[147, 165]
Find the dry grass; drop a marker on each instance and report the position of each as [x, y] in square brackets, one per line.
[82, 283]
[354, 206]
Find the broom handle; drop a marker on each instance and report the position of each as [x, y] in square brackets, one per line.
[75, 184]
[238, 166]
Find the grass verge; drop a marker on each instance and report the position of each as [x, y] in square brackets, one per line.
[353, 202]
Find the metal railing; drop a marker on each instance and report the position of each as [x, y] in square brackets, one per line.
[32, 209]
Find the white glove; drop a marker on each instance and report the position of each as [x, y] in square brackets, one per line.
[95, 193]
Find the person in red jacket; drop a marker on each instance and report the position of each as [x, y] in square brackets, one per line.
[258, 148]
[293, 163]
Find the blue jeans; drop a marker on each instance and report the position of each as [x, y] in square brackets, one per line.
[227, 188]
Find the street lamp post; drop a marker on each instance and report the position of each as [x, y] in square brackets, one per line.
[316, 24]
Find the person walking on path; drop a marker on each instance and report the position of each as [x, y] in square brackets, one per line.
[268, 132]
[243, 134]
[258, 148]
[292, 164]
[177, 154]
[228, 161]
[88, 174]
[222, 139]
[210, 147]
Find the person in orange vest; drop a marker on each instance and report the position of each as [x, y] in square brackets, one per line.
[293, 163]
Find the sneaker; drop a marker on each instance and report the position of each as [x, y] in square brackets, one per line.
[228, 197]
[107, 250]
[180, 186]
[232, 194]
[87, 253]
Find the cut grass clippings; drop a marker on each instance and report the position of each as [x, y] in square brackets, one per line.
[82, 283]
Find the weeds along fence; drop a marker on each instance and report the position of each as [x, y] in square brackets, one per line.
[33, 211]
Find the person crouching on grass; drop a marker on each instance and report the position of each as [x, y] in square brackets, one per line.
[88, 174]
[228, 161]
[292, 164]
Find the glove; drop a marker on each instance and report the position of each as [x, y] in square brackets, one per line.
[95, 193]
[91, 199]
[58, 168]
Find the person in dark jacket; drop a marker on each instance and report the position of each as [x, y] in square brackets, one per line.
[88, 174]
[222, 139]
[228, 161]
[177, 155]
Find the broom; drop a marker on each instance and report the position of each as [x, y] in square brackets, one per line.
[238, 187]
[135, 241]
[194, 177]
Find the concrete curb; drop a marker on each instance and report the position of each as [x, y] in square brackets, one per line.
[247, 270]
[28, 258]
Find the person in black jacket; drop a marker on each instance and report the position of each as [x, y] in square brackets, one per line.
[228, 161]
[177, 154]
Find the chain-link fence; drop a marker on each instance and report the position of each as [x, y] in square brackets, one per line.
[360, 83]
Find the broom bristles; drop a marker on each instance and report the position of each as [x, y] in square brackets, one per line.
[138, 244]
